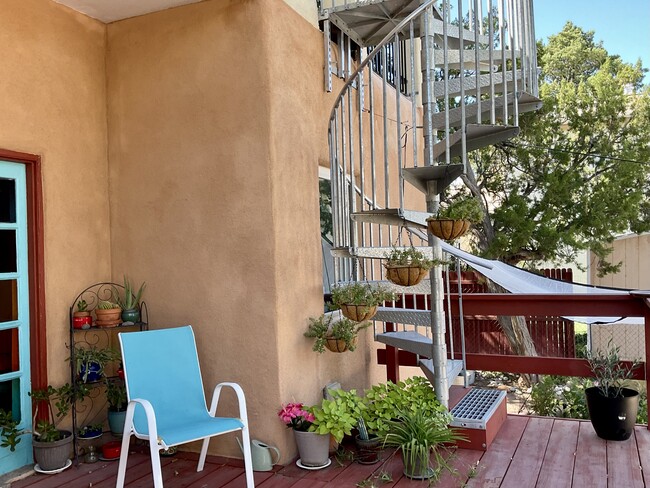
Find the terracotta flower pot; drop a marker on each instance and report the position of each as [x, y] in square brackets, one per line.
[448, 229]
[405, 275]
[108, 317]
[358, 313]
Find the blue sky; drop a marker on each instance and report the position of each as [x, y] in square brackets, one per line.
[622, 25]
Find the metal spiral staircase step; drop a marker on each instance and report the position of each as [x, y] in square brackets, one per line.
[367, 22]
[404, 316]
[408, 341]
[526, 103]
[454, 367]
[443, 175]
[454, 85]
[469, 59]
[393, 216]
[477, 136]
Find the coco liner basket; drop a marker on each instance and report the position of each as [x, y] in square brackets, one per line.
[358, 313]
[405, 275]
[338, 345]
[448, 229]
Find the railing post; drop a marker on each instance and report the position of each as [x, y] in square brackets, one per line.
[646, 328]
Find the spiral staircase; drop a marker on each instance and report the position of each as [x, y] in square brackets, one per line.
[422, 87]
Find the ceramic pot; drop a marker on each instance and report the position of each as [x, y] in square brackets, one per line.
[131, 315]
[313, 448]
[53, 455]
[116, 421]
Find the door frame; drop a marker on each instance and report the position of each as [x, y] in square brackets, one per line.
[36, 263]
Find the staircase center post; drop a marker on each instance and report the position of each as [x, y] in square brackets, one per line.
[439, 347]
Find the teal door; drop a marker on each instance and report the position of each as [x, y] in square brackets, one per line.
[14, 311]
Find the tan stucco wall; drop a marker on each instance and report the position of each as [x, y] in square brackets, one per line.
[217, 123]
[53, 103]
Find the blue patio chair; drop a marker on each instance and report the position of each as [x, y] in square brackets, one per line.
[167, 401]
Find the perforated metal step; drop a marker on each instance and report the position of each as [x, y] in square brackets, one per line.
[476, 408]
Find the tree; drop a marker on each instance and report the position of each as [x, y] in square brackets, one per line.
[578, 175]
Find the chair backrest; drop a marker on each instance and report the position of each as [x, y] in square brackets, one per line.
[162, 366]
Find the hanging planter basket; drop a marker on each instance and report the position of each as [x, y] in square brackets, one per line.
[448, 229]
[358, 313]
[405, 275]
[338, 345]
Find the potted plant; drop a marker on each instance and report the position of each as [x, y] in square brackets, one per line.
[389, 401]
[416, 436]
[81, 318]
[338, 334]
[91, 431]
[52, 446]
[117, 403]
[89, 363]
[358, 301]
[313, 447]
[407, 267]
[612, 407]
[107, 314]
[130, 304]
[455, 218]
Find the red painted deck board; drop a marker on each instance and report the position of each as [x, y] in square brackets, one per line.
[526, 463]
[591, 459]
[559, 459]
[528, 451]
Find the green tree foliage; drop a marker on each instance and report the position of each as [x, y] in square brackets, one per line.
[579, 174]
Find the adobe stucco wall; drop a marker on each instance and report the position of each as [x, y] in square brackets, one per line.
[53, 103]
[217, 123]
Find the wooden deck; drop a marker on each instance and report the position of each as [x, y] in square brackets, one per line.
[527, 452]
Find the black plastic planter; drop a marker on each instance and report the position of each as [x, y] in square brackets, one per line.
[368, 450]
[613, 418]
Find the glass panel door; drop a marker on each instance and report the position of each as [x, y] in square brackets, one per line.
[14, 312]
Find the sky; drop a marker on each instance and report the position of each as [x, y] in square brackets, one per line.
[622, 25]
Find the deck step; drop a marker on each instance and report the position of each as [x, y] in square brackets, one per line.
[454, 367]
[408, 341]
[393, 216]
[408, 316]
[477, 136]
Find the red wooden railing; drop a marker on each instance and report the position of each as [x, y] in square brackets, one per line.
[636, 304]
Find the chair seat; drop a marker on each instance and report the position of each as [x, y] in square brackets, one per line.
[184, 430]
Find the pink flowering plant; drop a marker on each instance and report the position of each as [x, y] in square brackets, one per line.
[296, 416]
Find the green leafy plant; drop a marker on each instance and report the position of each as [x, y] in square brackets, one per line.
[357, 293]
[131, 300]
[411, 256]
[337, 416]
[85, 357]
[608, 369]
[418, 435]
[465, 208]
[107, 305]
[389, 401]
[58, 402]
[328, 326]
[116, 396]
[82, 305]
[558, 396]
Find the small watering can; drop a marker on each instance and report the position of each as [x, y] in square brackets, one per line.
[261, 454]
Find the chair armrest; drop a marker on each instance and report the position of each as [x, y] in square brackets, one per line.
[241, 399]
[149, 413]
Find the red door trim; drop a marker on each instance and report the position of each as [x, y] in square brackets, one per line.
[36, 262]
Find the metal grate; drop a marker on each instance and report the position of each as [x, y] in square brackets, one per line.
[475, 409]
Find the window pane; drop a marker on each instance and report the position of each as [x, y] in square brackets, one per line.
[7, 200]
[9, 351]
[10, 397]
[8, 300]
[8, 251]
